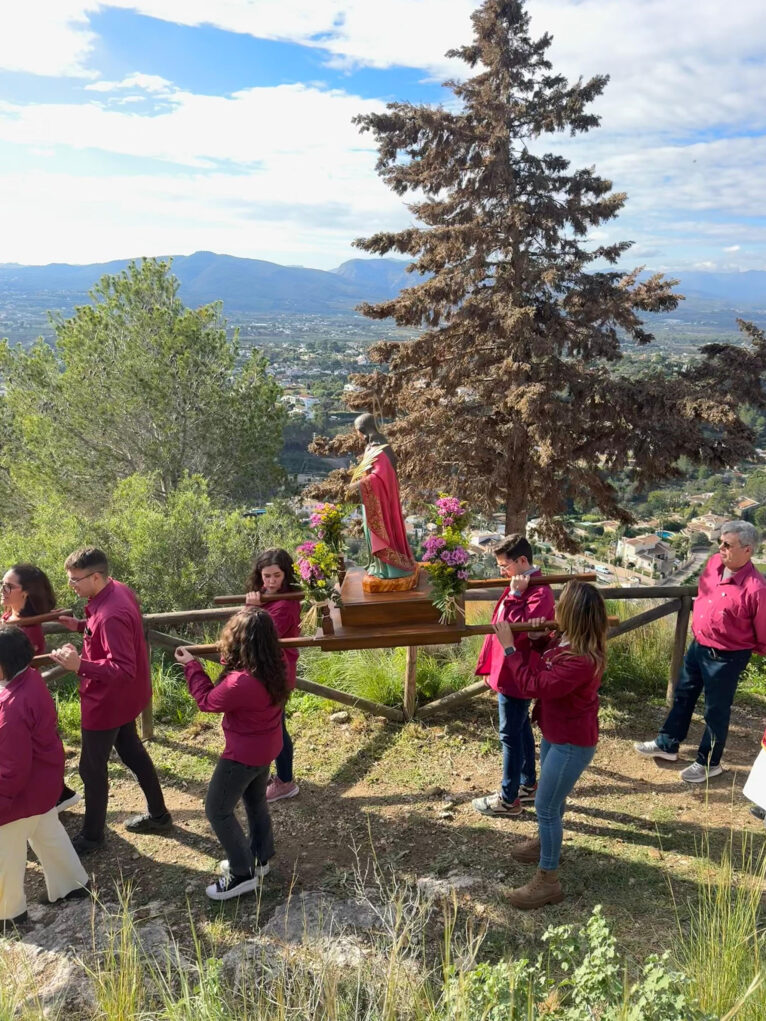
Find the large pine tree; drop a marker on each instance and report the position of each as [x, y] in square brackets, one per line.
[510, 396]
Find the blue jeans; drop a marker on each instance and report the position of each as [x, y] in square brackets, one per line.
[518, 744]
[284, 761]
[561, 766]
[716, 673]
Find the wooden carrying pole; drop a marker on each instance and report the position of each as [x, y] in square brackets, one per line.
[40, 618]
[534, 579]
[240, 599]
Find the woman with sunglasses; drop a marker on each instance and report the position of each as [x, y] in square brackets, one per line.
[27, 592]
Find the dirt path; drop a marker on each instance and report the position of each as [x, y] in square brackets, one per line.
[406, 791]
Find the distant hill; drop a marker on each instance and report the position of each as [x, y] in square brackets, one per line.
[243, 285]
[257, 287]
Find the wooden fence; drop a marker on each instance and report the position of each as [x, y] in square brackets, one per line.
[672, 600]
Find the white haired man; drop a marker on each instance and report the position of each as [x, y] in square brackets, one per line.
[729, 624]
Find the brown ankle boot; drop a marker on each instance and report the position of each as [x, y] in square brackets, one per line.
[527, 852]
[542, 888]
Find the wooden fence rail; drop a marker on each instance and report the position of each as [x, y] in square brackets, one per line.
[677, 600]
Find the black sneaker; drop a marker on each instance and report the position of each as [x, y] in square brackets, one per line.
[149, 823]
[79, 893]
[7, 924]
[67, 799]
[84, 845]
[229, 885]
[758, 812]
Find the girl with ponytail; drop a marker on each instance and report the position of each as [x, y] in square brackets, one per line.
[251, 693]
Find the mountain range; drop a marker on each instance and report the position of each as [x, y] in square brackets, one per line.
[258, 287]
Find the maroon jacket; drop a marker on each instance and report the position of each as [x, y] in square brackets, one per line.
[566, 689]
[251, 723]
[35, 633]
[115, 684]
[31, 753]
[500, 669]
[286, 614]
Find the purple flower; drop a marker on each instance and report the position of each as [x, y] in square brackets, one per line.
[306, 549]
[315, 520]
[449, 506]
[463, 575]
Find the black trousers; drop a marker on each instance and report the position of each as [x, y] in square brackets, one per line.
[231, 781]
[94, 759]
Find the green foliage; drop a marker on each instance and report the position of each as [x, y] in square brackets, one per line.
[137, 383]
[177, 552]
[595, 983]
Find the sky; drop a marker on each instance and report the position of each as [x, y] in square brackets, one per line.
[159, 127]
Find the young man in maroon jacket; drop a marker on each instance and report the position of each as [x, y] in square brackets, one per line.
[514, 558]
[115, 686]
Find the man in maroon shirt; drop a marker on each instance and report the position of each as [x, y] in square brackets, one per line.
[115, 686]
[729, 623]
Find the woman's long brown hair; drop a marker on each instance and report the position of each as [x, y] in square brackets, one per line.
[273, 557]
[581, 615]
[249, 641]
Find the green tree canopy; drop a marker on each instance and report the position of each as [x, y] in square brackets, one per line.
[509, 396]
[136, 383]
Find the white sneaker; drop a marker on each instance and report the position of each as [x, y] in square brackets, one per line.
[258, 870]
[697, 773]
[653, 751]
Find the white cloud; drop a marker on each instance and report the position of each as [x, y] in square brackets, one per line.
[46, 37]
[147, 82]
[732, 248]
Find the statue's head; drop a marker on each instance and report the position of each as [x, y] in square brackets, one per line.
[368, 427]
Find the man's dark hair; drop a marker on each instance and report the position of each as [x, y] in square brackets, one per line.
[16, 651]
[88, 557]
[514, 546]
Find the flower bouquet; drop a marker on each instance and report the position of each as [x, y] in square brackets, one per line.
[446, 558]
[317, 568]
[326, 523]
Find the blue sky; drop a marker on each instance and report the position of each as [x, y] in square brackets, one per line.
[147, 127]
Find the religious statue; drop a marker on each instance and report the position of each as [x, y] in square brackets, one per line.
[392, 566]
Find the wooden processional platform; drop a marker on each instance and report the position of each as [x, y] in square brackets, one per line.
[386, 620]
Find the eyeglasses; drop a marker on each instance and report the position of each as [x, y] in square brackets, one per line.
[728, 545]
[76, 581]
[7, 587]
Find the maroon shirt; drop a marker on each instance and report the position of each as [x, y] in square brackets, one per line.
[500, 669]
[566, 688]
[115, 684]
[286, 614]
[35, 633]
[31, 753]
[251, 723]
[730, 614]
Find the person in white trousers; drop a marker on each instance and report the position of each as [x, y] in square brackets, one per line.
[31, 775]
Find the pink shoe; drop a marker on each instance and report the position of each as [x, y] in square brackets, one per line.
[279, 789]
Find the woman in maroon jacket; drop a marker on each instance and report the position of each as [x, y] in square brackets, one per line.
[273, 573]
[564, 679]
[27, 592]
[31, 774]
[251, 694]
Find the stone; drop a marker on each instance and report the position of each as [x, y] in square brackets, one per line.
[434, 888]
[340, 717]
[313, 915]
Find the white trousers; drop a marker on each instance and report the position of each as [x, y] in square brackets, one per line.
[50, 842]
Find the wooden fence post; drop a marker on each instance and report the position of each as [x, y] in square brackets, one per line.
[410, 688]
[679, 647]
[147, 714]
